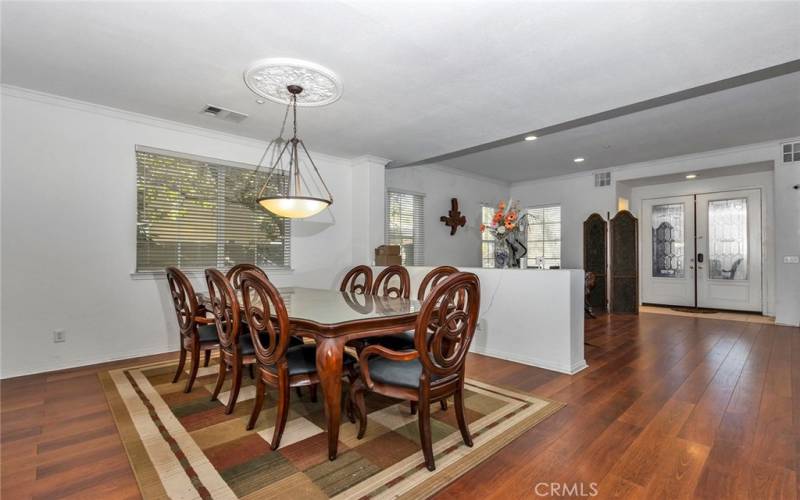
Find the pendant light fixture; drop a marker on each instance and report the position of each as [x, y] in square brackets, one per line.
[303, 192]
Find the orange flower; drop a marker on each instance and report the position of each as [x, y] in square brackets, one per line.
[483, 227]
[509, 225]
[501, 205]
[498, 217]
[512, 216]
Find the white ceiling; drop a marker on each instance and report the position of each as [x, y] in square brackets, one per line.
[753, 113]
[421, 79]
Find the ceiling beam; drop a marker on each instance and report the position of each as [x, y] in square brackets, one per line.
[682, 95]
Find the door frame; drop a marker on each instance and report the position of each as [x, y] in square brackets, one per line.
[762, 237]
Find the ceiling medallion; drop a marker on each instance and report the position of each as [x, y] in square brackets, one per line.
[270, 78]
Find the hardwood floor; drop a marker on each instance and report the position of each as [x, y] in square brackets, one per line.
[670, 407]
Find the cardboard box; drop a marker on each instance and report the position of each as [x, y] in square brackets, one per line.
[388, 260]
[387, 250]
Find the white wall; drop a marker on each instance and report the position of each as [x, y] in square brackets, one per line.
[554, 298]
[69, 238]
[759, 180]
[578, 199]
[369, 179]
[787, 242]
[439, 185]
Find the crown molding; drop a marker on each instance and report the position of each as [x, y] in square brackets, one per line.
[149, 120]
[368, 158]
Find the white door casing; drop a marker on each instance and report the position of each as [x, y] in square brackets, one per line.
[723, 227]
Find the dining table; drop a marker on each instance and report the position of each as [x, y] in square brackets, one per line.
[333, 318]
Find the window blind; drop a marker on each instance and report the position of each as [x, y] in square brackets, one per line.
[195, 213]
[487, 239]
[544, 236]
[405, 213]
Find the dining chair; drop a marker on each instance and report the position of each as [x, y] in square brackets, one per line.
[235, 346]
[383, 283]
[279, 365]
[234, 274]
[350, 282]
[405, 340]
[432, 371]
[197, 332]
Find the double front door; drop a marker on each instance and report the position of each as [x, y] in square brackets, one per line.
[703, 250]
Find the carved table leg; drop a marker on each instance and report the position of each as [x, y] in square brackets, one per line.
[329, 367]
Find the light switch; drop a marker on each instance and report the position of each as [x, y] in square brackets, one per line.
[791, 259]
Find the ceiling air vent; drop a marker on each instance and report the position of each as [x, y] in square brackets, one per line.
[224, 113]
[602, 179]
[791, 152]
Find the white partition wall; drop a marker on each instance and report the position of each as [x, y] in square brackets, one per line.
[531, 316]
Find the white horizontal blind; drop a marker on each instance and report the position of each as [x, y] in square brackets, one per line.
[405, 214]
[487, 239]
[196, 213]
[544, 236]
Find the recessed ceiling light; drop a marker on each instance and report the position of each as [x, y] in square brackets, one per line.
[260, 101]
[531, 138]
[691, 176]
[579, 159]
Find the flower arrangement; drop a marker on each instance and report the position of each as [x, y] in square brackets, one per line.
[508, 228]
[505, 220]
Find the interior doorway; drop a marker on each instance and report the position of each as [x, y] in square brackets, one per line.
[703, 250]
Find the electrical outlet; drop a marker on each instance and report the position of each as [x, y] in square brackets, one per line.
[59, 336]
[791, 259]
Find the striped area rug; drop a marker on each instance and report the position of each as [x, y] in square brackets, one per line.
[184, 446]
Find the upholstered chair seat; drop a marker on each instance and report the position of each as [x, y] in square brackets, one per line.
[399, 373]
[207, 333]
[302, 359]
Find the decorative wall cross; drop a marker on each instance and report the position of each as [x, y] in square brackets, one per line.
[454, 218]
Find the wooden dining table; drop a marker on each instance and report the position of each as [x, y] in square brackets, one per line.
[333, 318]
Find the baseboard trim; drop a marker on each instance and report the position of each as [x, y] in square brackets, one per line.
[531, 361]
[67, 365]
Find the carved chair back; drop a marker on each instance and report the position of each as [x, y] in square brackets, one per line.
[185, 301]
[225, 309]
[353, 283]
[261, 302]
[234, 274]
[383, 283]
[432, 279]
[446, 325]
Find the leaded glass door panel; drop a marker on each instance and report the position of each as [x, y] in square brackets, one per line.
[668, 251]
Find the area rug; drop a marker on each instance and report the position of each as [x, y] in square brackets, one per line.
[184, 446]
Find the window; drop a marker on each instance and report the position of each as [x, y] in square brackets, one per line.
[487, 239]
[544, 236]
[195, 213]
[404, 225]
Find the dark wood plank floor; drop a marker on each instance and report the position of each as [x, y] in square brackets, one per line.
[670, 407]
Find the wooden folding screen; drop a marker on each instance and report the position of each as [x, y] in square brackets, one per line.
[624, 269]
[595, 249]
